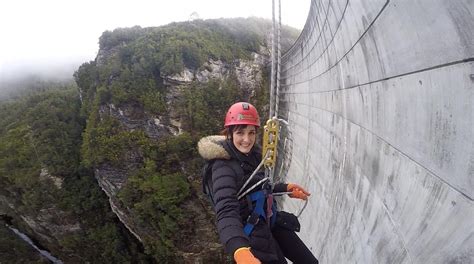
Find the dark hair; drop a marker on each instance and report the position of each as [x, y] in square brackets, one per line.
[228, 131]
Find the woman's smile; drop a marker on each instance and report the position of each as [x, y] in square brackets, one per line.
[244, 138]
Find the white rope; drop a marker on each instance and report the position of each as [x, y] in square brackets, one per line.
[253, 187]
[284, 122]
[274, 101]
[253, 174]
[272, 77]
[278, 69]
[281, 193]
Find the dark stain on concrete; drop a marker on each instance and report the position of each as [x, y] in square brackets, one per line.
[460, 13]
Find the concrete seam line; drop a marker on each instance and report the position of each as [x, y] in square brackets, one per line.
[468, 60]
[319, 36]
[345, 54]
[401, 152]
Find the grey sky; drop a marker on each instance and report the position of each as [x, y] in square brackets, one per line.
[49, 34]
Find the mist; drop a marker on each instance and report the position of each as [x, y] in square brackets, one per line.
[50, 39]
[23, 76]
[59, 69]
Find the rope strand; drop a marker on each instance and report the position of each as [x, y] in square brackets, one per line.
[278, 69]
[272, 77]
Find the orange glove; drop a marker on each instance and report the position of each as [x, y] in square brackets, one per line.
[297, 191]
[244, 256]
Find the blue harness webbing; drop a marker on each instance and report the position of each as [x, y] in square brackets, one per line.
[259, 211]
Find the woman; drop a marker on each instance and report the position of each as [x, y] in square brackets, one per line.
[247, 227]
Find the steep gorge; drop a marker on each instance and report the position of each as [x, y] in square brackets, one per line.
[123, 184]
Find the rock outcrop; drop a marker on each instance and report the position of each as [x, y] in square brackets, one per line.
[112, 179]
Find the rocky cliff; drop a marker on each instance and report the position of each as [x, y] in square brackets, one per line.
[198, 240]
[112, 174]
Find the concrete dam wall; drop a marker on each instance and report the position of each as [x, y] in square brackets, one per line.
[379, 98]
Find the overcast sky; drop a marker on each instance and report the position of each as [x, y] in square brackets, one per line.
[46, 34]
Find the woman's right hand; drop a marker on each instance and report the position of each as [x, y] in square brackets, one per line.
[244, 256]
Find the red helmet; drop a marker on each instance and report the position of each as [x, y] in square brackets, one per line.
[242, 113]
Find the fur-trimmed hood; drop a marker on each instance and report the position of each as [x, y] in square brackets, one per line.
[212, 147]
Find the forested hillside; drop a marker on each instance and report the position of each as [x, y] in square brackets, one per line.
[106, 170]
[44, 187]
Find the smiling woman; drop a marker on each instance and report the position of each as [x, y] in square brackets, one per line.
[251, 228]
[241, 123]
[243, 138]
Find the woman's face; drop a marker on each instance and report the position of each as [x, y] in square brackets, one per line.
[244, 138]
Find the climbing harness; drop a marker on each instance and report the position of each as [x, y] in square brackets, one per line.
[259, 211]
[269, 153]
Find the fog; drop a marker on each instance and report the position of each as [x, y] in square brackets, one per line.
[50, 39]
[26, 75]
[51, 69]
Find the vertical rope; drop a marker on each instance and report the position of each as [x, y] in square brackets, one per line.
[272, 77]
[275, 75]
[278, 69]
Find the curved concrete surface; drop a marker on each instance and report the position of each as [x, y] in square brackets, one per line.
[379, 98]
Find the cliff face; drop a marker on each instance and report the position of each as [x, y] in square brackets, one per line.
[44, 192]
[48, 225]
[198, 240]
[112, 175]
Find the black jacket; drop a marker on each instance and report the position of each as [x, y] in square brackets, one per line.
[229, 172]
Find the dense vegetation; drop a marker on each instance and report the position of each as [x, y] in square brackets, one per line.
[71, 135]
[43, 130]
[169, 48]
[132, 61]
